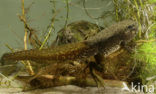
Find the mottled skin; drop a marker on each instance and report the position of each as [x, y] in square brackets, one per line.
[107, 41]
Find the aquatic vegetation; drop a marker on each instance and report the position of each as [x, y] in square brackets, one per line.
[144, 12]
[139, 10]
[120, 65]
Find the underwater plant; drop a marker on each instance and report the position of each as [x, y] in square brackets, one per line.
[121, 65]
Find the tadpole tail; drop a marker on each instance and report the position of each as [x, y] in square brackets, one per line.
[71, 51]
[2, 61]
[20, 55]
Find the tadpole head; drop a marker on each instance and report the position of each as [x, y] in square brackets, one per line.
[131, 30]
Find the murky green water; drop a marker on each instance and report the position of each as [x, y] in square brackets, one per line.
[39, 15]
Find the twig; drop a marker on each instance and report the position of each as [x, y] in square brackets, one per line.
[12, 50]
[25, 30]
[67, 15]
[25, 37]
[50, 81]
[116, 9]
[150, 26]
[31, 31]
[50, 30]
[53, 11]
[138, 15]
[8, 80]
[145, 41]
[46, 38]
[84, 5]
